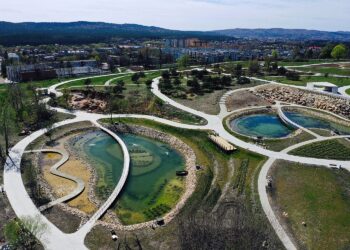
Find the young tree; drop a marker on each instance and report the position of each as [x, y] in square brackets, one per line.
[149, 83]
[293, 76]
[121, 83]
[174, 72]
[135, 77]
[7, 118]
[254, 67]
[238, 71]
[21, 234]
[183, 62]
[87, 83]
[166, 74]
[117, 89]
[3, 69]
[327, 51]
[243, 80]
[339, 51]
[226, 80]
[274, 55]
[281, 71]
[177, 81]
[267, 64]
[109, 97]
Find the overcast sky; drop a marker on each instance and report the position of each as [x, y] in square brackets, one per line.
[330, 15]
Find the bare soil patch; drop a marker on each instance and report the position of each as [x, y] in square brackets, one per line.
[244, 99]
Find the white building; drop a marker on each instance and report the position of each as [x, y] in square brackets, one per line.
[323, 86]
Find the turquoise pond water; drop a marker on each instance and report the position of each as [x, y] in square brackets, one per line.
[152, 164]
[270, 126]
[266, 125]
[313, 122]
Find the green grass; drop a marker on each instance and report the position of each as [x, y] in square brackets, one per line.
[127, 79]
[103, 79]
[327, 70]
[313, 61]
[340, 82]
[39, 84]
[94, 81]
[331, 149]
[318, 196]
[279, 145]
[348, 91]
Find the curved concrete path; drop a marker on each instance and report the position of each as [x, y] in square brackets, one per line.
[85, 229]
[54, 170]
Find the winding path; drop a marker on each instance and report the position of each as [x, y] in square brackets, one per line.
[54, 170]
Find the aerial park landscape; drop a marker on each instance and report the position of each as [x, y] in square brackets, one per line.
[128, 162]
[185, 125]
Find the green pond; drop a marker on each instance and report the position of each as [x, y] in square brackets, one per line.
[152, 186]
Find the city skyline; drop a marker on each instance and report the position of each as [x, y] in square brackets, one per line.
[189, 14]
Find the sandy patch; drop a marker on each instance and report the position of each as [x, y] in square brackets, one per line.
[60, 186]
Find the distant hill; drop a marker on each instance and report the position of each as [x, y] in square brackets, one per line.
[93, 32]
[84, 32]
[288, 34]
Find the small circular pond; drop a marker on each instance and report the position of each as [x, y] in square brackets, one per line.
[152, 186]
[265, 125]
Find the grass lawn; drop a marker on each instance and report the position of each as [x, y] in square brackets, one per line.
[340, 82]
[103, 79]
[348, 91]
[279, 145]
[329, 70]
[39, 84]
[94, 81]
[338, 149]
[318, 196]
[127, 79]
[313, 61]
